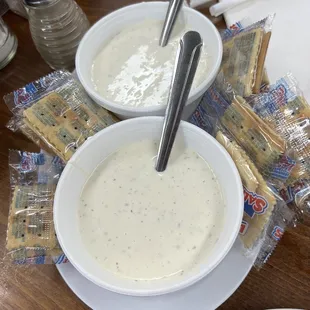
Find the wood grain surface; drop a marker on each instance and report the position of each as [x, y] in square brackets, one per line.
[283, 282]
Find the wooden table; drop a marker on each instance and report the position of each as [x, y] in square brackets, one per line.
[283, 282]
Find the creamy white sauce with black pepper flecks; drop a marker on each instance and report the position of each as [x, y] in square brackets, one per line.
[146, 225]
[133, 70]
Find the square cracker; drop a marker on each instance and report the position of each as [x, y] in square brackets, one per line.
[255, 183]
[261, 143]
[247, 176]
[240, 60]
[64, 126]
[30, 221]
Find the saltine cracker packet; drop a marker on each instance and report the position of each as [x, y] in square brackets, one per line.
[245, 47]
[59, 114]
[31, 237]
[265, 216]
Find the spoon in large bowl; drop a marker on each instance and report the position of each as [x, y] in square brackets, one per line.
[182, 79]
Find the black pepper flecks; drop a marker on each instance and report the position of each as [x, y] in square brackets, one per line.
[161, 221]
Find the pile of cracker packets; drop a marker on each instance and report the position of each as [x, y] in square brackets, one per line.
[57, 115]
[265, 129]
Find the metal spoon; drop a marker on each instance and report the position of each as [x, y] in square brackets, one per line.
[183, 75]
[172, 13]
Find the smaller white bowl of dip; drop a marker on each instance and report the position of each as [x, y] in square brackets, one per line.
[78, 172]
[111, 25]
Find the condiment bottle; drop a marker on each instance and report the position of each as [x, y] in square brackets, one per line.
[8, 44]
[57, 27]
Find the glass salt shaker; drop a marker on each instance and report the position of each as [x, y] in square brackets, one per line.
[57, 27]
[8, 44]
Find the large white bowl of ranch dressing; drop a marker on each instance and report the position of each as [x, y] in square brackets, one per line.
[134, 231]
[123, 68]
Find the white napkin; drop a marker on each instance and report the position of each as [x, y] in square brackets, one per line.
[197, 3]
[224, 6]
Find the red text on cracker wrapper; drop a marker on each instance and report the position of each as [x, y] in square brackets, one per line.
[243, 227]
[254, 203]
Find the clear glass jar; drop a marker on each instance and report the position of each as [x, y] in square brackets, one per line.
[8, 44]
[57, 27]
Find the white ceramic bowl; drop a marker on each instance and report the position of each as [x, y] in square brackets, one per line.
[96, 149]
[113, 23]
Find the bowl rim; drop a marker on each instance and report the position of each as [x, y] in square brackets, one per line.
[183, 283]
[118, 108]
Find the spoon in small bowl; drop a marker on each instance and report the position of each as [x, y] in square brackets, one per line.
[171, 15]
[182, 79]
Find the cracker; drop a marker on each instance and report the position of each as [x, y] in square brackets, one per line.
[240, 58]
[65, 126]
[295, 109]
[38, 135]
[30, 221]
[34, 137]
[248, 178]
[258, 224]
[262, 144]
[291, 121]
[260, 71]
[33, 198]
[254, 183]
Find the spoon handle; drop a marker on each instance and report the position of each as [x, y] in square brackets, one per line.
[172, 13]
[183, 75]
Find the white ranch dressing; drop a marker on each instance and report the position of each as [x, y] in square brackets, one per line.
[133, 70]
[145, 226]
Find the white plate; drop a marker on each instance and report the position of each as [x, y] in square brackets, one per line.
[209, 293]
[289, 46]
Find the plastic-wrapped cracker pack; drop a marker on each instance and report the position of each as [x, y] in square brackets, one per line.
[34, 91]
[260, 156]
[262, 79]
[297, 196]
[220, 106]
[25, 96]
[244, 51]
[30, 168]
[265, 214]
[284, 107]
[31, 237]
[57, 112]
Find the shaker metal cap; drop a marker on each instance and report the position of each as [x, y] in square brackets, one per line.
[38, 3]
